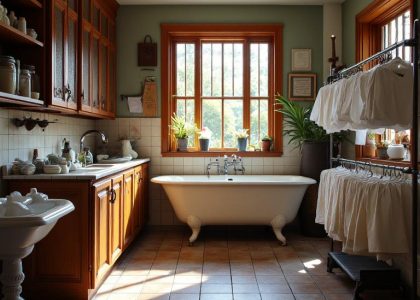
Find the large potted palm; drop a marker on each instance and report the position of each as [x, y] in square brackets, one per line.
[312, 140]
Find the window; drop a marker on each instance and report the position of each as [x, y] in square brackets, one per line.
[381, 24]
[223, 77]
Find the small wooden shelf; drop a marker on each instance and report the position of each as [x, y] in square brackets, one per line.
[19, 100]
[12, 35]
[27, 3]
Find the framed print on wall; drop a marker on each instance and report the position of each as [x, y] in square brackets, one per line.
[302, 86]
[301, 59]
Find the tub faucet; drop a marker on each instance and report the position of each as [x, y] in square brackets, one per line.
[103, 137]
[213, 163]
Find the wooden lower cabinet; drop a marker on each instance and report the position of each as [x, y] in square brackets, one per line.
[75, 257]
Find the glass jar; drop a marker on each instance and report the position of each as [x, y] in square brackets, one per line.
[8, 74]
[35, 82]
[25, 83]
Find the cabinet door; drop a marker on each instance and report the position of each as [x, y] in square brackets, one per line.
[70, 89]
[102, 256]
[115, 212]
[128, 207]
[145, 195]
[137, 209]
[85, 94]
[103, 66]
[58, 58]
[95, 72]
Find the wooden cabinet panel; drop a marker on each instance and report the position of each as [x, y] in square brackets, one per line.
[128, 207]
[85, 94]
[137, 209]
[102, 255]
[145, 195]
[115, 212]
[58, 51]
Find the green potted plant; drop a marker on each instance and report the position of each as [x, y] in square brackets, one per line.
[242, 136]
[370, 147]
[266, 143]
[182, 130]
[312, 140]
[382, 148]
[204, 138]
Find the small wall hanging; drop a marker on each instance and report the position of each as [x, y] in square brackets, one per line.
[302, 86]
[301, 59]
[147, 53]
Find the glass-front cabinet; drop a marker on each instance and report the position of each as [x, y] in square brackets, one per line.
[64, 54]
[98, 60]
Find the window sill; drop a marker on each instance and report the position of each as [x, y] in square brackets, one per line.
[390, 162]
[221, 153]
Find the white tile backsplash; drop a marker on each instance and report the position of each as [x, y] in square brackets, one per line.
[148, 145]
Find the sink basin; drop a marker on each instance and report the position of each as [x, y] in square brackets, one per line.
[24, 221]
[116, 160]
[99, 166]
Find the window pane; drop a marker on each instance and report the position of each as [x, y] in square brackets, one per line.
[227, 69]
[212, 118]
[185, 109]
[407, 35]
[180, 108]
[238, 70]
[233, 121]
[254, 132]
[263, 70]
[180, 69]
[254, 69]
[190, 61]
[259, 120]
[216, 70]
[206, 70]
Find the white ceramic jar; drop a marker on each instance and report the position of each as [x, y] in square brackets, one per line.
[22, 24]
[7, 74]
[395, 151]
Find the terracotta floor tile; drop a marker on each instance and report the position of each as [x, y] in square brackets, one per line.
[187, 279]
[277, 297]
[339, 296]
[247, 296]
[304, 288]
[150, 288]
[186, 288]
[274, 288]
[271, 279]
[244, 279]
[216, 288]
[309, 297]
[216, 297]
[300, 278]
[220, 279]
[123, 297]
[245, 288]
[153, 297]
[185, 297]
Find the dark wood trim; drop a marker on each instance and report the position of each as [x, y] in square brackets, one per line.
[190, 32]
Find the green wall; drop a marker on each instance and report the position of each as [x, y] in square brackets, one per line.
[302, 29]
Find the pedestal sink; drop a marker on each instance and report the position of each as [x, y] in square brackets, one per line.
[24, 221]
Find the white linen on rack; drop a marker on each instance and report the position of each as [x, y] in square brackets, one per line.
[378, 98]
[367, 214]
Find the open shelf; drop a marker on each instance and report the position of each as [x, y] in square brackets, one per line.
[27, 3]
[12, 35]
[16, 99]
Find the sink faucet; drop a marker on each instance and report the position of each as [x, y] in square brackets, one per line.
[237, 163]
[103, 137]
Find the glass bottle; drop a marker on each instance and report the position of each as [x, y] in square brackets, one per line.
[8, 74]
[25, 83]
[35, 82]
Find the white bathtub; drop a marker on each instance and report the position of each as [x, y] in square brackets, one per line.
[235, 200]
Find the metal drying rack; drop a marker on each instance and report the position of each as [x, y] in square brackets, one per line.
[364, 270]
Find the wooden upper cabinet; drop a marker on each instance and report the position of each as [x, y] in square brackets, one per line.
[64, 53]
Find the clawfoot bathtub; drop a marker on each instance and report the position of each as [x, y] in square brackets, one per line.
[235, 200]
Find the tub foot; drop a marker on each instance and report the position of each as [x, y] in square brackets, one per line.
[195, 225]
[277, 223]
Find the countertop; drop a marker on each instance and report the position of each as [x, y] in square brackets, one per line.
[92, 172]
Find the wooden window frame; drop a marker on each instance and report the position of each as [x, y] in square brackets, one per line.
[187, 32]
[369, 24]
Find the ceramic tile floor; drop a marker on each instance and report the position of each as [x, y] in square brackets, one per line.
[231, 264]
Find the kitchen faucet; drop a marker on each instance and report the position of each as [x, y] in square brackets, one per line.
[104, 138]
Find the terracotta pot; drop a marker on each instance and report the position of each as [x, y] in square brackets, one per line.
[266, 145]
[182, 144]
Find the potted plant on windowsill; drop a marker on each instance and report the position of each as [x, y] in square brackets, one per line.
[266, 142]
[242, 136]
[182, 131]
[381, 149]
[204, 138]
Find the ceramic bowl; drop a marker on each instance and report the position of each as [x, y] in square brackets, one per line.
[52, 169]
[28, 169]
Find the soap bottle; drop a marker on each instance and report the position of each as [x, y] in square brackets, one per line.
[68, 153]
[88, 156]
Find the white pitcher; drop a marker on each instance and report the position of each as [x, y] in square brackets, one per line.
[127, 150]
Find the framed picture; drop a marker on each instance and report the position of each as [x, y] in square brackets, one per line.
[301, 59]
[302, 86]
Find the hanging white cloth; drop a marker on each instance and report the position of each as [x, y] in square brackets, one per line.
[378, 98]
[367, 214]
